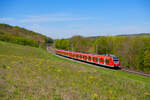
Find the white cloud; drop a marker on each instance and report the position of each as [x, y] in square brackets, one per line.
[45, 18]
[35, 26]
[52, 18]
[6, 19]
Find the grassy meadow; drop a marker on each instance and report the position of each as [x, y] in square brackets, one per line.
[29, 73]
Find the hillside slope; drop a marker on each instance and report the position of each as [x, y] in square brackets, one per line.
[28, 73]
[17, 31]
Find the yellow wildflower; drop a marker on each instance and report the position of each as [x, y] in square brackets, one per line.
[110, 92]
[8, 67]
[147, 93]
[73, 84]
[58, 70]
[57, 77]
[48, 66]
[39, 69]
[85, 70]
[25, 68]
[91, 77]
[95, 70]
[96, 84]
[89, 81]
[79, 71]
[95, 95]
[36, 65]
[14, 62]
[8, 75]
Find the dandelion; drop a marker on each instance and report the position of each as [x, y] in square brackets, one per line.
[91, 77]
[95, 96]
[49, 70]
[96, 84]
[95, 71]
[147, 93]
[8, 67]
[79, 71]
[25, 68]
[39, 69]
[85, 70]
[89, 81]
[14, 62]
[58, 70]
[48, 67]
[8, 76]
[110, 92]
[57, 77]
[36, 65]
[14, 56]
[73, 84]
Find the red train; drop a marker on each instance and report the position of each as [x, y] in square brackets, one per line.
[106, 60]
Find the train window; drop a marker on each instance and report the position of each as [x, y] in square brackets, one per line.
[101, 60]
[93, 58]
[89, 58]
[85, 57]
[80, 56]
[107, 61]
[96, 59]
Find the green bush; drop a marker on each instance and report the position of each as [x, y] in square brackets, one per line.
[18, 40]
[147, 61]
[62, 44]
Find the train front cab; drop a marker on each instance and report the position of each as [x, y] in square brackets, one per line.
[105, 60]
[116, 62]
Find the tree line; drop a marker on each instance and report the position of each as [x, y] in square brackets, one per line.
[134, 51]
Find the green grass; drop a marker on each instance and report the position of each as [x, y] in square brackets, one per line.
[28, 73]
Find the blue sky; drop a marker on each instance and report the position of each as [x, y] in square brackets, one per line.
[65, 18]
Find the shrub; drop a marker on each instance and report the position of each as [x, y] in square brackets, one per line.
[18, 40]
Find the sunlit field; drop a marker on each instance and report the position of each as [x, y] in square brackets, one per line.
[28, 73]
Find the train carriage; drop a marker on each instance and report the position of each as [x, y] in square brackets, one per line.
[107, 60]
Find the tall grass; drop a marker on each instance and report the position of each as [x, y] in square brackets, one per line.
[28, 73]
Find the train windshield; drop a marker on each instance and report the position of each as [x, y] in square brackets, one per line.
[116, 60]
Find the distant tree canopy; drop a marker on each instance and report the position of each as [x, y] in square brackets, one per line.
[104, 45]
[62, 44]
[9, 31]
[79, 43]
[134, 51]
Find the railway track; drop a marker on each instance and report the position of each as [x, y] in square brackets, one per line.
[51, 50]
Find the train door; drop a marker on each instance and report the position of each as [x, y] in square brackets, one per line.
[101, 60]
[89, 58]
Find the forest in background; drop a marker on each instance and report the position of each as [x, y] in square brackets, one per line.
[134, 51]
